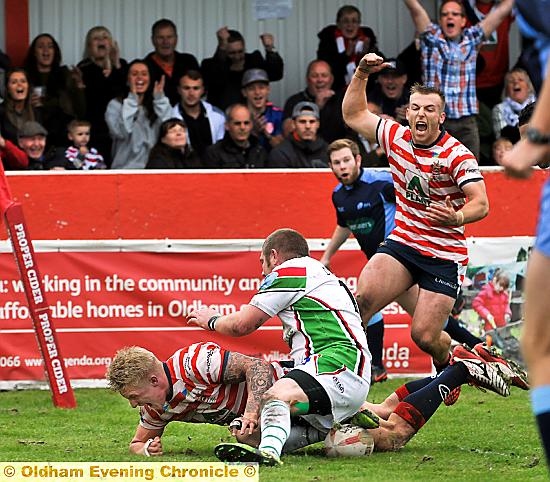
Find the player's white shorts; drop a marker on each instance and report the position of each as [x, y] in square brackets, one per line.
[346, 390]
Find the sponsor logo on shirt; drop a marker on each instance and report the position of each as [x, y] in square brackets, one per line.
[361, 225]
[416, 192]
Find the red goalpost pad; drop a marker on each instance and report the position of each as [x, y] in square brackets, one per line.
[60, 385]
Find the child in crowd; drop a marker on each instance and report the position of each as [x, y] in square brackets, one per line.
[500, 147]
[78, 155]
[492, 303]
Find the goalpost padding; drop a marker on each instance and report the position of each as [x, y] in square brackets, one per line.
[60, 385]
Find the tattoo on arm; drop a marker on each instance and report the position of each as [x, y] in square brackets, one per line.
[257, 373]
[235, 370]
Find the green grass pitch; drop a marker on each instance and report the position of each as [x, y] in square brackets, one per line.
[481, 437]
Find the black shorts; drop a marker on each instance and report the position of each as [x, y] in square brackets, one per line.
[319, 401]
[432, 274]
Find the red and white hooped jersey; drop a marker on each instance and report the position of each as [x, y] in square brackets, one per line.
[198, 392]
[423, 175]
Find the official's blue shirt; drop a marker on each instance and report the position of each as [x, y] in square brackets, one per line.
[367, 208]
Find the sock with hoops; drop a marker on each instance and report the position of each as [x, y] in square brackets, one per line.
[419, 406]
[540, 400]
[412, 386]
[275, 424]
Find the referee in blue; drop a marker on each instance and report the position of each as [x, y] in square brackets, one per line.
[365, 207]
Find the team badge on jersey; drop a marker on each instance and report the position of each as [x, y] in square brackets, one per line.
[437, 170]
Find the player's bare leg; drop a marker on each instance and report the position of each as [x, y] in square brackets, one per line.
[432, 310]
[535, 338]
[381, 281]
[384, 409]
[392, 434]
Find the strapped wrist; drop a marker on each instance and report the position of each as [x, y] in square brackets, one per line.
[361, 74]
[212, 322]
[459, 218]
[146, 447]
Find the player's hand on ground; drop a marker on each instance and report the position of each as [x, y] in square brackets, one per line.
[153, 447]
[243, 425]
[201, 316]
[442, 214]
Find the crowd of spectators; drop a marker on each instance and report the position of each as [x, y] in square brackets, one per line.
[170, 111]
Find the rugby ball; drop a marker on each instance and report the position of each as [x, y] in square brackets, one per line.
[348, 441]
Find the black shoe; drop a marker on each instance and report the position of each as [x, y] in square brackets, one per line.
[378, 374]
[236, 452]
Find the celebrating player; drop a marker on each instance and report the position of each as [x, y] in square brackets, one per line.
[439, 188]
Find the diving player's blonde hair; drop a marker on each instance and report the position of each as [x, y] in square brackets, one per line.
[130, 367]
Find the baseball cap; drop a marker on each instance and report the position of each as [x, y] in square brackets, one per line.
[32, 128]
[305, 108]
[254, 75]
[398, 67]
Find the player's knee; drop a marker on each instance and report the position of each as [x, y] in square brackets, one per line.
[270, 395]
[424, 339]
[275, 394]
[395, 435]
[391, 441]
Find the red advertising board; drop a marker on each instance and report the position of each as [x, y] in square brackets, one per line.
[105, 294]
[101, 301]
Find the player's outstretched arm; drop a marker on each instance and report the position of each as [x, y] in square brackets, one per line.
[354, 107]
[259, 378]
[339, 236]
[241, 323]
[146, 442]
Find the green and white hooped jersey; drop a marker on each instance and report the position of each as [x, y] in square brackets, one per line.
[319, 315]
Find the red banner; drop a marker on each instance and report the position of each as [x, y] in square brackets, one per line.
[102, 301]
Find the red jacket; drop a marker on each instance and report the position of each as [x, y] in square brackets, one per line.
[488, 301]
[13, 158]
